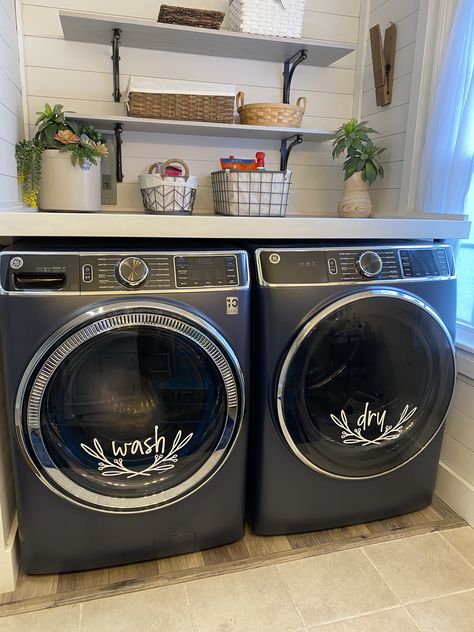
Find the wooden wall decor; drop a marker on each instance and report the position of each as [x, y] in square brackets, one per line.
[383, 60]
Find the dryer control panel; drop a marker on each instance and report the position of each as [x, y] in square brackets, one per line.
[90, 272]
[316, 266]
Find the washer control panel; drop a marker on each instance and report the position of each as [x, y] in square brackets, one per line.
[112, 272]
[314, 266]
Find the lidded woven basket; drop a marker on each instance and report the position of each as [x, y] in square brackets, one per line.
[271, 114]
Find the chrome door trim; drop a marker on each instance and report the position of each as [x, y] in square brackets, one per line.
[96, 322]
[309, 327]
[263, 283]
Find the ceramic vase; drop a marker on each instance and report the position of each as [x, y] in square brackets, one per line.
[355, 201]
[66, 188]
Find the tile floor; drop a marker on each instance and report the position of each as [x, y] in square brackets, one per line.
[416, 584]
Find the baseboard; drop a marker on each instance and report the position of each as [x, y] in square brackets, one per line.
[456, 492]
[9, 561]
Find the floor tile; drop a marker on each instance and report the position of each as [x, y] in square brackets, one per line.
[330, 587]
[66, 619]
[250, 601]
[454, 613]
[395, 620]
[463, 541]
[421, 567]
[144, 611]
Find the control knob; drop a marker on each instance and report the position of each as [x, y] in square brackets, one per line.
[132, 272]
[369, 264]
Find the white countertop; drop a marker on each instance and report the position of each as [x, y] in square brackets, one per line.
[31, 223]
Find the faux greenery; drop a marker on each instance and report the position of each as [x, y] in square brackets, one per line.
[53, 131]
[28, 159]
[352, 138]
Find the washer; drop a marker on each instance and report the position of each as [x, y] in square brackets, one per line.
[125, 376]
[355, 374]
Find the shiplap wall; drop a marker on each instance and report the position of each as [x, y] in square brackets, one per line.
[11, 125]
[11, 130]
[391, 120]
[455, 483]
[79, 76]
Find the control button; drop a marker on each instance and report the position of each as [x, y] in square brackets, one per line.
[332, 266]
[87, 273]
[132, 272]
[274, 258]
[16, 263]
[369, 264]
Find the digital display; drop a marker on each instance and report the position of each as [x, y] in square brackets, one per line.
[206, 271]
[424, 263]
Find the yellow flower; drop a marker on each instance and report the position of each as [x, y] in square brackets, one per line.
[101, 149]
[67, 137]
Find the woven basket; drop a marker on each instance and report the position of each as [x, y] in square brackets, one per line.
[272, 114]
[201, 18]
[280, 18]
[181, 107]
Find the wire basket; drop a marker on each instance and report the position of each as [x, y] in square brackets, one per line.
[254, 193]
[168, 195]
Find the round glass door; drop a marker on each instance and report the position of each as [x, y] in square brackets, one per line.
[366, 384]
[132, 409]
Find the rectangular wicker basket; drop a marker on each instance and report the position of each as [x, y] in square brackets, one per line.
[180, 100]
[280, 18]
[184, 16]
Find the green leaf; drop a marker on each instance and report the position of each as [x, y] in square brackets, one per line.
[370, 172]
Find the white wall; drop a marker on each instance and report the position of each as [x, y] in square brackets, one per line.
[455, 483]
[11, 130]
[79, 76]
[11, 126]
[391, 120]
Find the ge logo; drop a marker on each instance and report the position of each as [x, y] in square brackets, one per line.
[274, 258]
[16, 263]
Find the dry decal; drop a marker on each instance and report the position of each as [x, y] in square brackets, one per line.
[370, 419]
[113, 464]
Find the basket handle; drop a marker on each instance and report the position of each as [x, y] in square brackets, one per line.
[302, 102]
[240, 98]
[169, 162]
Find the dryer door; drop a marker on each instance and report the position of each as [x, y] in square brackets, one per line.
[366, 384]
[130, 408]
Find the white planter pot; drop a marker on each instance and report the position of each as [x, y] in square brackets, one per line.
[66, 188]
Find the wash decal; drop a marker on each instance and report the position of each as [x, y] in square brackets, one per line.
[370, 419]
[164, 459]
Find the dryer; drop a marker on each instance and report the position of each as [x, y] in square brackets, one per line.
[126, 380]
[355, 372]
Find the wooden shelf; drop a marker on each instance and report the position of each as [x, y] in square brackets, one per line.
[95, 29]
[160, 126]
[30, 223]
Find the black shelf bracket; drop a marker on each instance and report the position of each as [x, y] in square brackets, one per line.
[118, 151]
[289, 68]
[116, 62]
[285, 149]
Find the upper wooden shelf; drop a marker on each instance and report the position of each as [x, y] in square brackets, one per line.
[159, 126]
[96, 29]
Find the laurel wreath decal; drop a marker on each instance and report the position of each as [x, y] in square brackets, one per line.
[388, 433]
[115, 467]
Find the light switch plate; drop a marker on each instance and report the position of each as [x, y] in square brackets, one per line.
[108, 174]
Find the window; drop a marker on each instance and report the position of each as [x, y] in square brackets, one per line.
[465, 269]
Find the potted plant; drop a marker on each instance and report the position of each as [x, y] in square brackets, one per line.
[361, 167]
[60, 166]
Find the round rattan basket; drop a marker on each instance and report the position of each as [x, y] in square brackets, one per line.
[271, 114]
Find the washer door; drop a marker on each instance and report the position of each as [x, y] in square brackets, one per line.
[130, 408]
[366, 384]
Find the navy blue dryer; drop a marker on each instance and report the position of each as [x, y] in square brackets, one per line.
[355, 373]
